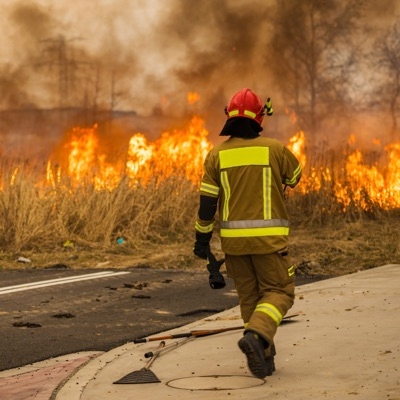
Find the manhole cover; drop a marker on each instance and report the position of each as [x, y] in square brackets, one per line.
[215, 382]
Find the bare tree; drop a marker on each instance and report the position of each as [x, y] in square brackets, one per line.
[313, 56]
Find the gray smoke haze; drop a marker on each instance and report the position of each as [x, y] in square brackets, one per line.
[154, 48]
[141, 55]
[153, 51]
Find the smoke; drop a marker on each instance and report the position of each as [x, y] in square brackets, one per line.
[141, 55]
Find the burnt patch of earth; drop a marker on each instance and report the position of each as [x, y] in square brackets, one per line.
[63, 315]
[26, 325]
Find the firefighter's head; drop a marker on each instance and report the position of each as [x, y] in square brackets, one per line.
[247, 104]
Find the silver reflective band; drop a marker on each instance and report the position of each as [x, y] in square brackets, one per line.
[256, 223]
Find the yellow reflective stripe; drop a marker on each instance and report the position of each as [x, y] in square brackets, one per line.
[207, 188]
[233, 113]
[250, 114]
[271, 311]
[243, 156]
[254, 223]
[204, 228]
[291, 270]
[267, 192]
[246, 324]
[296, 173]
[252, 232]
[227, 195]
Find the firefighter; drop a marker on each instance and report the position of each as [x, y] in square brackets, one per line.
[245, 177]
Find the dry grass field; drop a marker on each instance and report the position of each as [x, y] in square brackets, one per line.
[89, 211]
[153, 226]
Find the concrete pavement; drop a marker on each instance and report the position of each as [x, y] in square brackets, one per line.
[344, 344]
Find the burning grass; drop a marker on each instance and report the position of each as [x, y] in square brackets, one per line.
[82, 209]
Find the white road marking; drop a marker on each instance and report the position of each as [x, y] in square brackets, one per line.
[59, 281]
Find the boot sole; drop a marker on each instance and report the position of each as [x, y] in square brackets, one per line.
[270, 366]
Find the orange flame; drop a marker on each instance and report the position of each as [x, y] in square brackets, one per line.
[356, 182]
[140, 153]
[84, 162]
[180, 152]
[297, 146]
[350, 176]
[193, 97]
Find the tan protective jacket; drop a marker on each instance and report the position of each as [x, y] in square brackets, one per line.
[247, 177]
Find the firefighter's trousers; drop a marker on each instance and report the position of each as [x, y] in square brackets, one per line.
[265, 285]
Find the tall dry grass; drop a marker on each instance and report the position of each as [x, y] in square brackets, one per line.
[38, 217]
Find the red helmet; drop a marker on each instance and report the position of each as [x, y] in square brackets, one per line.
[246, 103]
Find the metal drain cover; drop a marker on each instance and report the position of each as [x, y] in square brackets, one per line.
[215, 382]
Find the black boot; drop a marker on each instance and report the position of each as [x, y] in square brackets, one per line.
[252, 346]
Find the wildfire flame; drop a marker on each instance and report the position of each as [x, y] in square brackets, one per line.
[193, 97]
[297, 146]
[180, 152]
[355, 182]
[83, 161]
[351, 176]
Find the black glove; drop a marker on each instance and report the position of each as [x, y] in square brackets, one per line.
[201, 246]
[216, 279]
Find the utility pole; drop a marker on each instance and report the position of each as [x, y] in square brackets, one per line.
[60, 56]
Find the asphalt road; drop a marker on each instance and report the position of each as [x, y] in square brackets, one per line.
[98, 314]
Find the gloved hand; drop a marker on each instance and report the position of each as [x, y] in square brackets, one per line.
[268, 106]
[201, 246]
[215, 279]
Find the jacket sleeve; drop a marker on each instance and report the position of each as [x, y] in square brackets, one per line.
[292, 171]
[209, 195]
